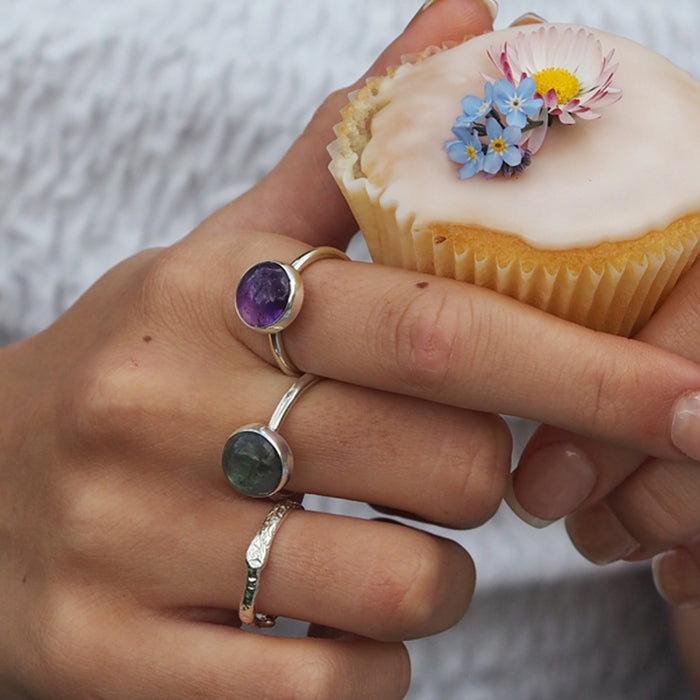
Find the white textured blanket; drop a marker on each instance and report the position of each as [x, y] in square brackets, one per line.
[124, 123]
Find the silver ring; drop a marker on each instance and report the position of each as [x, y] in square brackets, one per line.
[269, 297]
[256, 459]
[256, 557]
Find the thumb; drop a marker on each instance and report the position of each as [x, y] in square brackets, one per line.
[299, 197]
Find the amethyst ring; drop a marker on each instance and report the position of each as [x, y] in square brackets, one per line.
[257, 460]
[269, 297]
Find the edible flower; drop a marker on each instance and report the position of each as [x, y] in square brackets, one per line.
[572, 76]
[475, 109]
[517, 103]
[502, 146]
[549, 74]
[469, 152]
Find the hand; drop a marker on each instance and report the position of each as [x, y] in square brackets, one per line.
[122, 546]
[623, 504]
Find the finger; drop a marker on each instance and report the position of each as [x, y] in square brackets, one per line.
[677, 575]
[653, 510]
[457, 344]
[658, 504]
[560, 472]
[685, 625]
[385, 581]
[392, 330]
[375, 579]
[444, 465]
[299, 197]
[148, 656]
[599, 535]
[166, 414]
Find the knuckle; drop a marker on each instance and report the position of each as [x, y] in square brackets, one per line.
[64, 646]
[86, 513]
[313, 678]
[411, 591]
[183, 295]
[656, 509]
[418, 335]
[110, 400]
[172, 283]
[477, 473]
[602, 381]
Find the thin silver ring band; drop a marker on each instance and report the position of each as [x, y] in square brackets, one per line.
[256, 558]
[290, 396]
[299, 264]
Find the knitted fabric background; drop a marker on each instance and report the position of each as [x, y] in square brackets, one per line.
[124, 123]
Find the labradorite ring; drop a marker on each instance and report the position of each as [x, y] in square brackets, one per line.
[256, 459]
[269, 297]
[256, 558]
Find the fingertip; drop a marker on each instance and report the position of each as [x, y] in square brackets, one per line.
[514, 504]
[556, 480]
[599, 536]
[676, 575]
[452, 20]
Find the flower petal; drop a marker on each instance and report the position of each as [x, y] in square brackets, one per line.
[471, 104]
[511, 135]
[536, 138]
[516, 118]
[493, 129]
[492, 163]
[457, 152]
[566, 118]
[512, 155]
[526, 89]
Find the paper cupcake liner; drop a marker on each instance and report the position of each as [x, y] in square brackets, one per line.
[615, 298]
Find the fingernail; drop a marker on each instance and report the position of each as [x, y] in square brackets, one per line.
[515, 506]
[491, 6]
[599, 536]
[685, 425]
[527, 18]
[677, 578]
[554, 481]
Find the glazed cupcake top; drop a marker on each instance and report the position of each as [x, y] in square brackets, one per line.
[634, 168]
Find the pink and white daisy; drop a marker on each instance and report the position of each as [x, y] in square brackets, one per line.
[573, 76]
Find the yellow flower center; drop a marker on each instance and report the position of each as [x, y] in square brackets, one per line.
[566, 84]
[471, 152]
[498, 145]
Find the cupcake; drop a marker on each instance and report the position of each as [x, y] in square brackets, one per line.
[553, 163]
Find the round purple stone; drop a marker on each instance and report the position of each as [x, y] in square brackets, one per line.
[262, 297]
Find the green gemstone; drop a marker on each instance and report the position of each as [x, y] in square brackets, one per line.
[252, 464]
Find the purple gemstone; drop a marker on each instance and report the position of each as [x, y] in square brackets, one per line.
[263, 293]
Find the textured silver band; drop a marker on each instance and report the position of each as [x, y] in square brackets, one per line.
[299, 264]
[256, 558]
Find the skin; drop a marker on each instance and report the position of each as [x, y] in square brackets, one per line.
[121, 544]
[628, 505]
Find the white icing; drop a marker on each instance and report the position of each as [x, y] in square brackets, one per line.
[635, 169]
